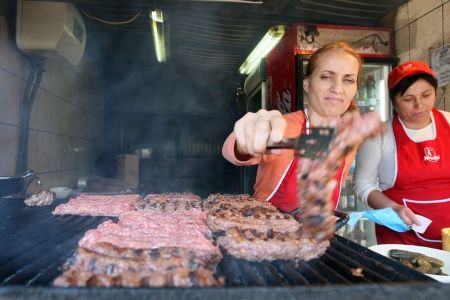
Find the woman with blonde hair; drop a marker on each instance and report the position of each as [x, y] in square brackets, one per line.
[331, 83]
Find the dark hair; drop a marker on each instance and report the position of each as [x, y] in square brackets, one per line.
[405, 83]
[343, 46]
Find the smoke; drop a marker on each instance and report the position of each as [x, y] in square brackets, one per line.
[183, 109]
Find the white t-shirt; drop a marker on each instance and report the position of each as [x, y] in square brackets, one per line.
[376, 165]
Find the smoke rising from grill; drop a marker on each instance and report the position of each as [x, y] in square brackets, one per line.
[181, 109]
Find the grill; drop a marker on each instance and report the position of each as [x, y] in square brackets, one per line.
[34, 244]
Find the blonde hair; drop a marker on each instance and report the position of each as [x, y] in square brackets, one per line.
[312, 64]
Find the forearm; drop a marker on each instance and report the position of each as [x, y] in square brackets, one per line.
[377, 199]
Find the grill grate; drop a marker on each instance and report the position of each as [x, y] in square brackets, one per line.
[34, 244]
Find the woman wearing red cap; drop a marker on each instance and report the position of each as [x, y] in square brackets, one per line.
[331, 84]
[408, 168]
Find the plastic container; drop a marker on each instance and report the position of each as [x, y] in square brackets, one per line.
[61, 192]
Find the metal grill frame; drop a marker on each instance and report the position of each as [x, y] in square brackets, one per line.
[34, 244]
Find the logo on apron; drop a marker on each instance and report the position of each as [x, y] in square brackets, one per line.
[430, 155]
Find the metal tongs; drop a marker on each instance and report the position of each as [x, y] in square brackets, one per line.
[313, 143]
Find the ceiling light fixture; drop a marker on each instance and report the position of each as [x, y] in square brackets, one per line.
[267, 43]
[160, 34]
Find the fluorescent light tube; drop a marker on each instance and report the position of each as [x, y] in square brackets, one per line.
[160, 35]
[267, 43]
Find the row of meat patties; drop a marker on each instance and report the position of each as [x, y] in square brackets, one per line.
[176, 239]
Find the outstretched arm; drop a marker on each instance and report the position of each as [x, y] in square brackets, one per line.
[247, 143]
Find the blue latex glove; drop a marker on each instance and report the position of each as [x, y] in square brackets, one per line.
[386, 217]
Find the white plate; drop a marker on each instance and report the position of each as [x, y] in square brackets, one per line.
[439, 254]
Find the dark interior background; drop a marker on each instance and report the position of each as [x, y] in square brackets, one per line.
[184, 109]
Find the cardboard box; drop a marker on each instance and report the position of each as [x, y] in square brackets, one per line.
[128, 169]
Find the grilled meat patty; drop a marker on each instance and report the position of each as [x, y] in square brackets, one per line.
[98, 205]
[256, 245]
[178, 278]
[170, 202]
[242, 211]
[254, 230]
[116, 261]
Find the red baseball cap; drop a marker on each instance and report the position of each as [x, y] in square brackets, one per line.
[407, 69]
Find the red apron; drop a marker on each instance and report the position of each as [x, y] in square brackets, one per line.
[286, 196]
[422, 183]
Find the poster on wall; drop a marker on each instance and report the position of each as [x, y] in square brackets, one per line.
[367, 41]
[440, 63]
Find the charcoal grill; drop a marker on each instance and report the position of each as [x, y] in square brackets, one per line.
[34, 244]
